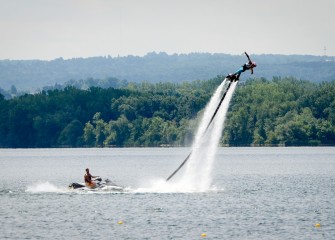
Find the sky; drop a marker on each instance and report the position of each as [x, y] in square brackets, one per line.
[49, 29]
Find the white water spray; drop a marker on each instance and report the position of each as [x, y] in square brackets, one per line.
[45, 187]
[197, 175]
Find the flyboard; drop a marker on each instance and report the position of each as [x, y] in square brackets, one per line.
[209, 123]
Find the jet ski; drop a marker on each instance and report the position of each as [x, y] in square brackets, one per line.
[100, 185]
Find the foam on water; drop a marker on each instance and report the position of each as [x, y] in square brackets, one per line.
[162, 186]
[45, 187]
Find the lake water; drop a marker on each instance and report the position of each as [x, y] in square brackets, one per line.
[256, 193]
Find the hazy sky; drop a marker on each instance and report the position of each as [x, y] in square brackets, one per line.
[48, 29]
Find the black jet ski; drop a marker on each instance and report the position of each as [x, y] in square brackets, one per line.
[100, 185]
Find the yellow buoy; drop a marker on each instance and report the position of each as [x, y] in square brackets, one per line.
[203, 235]
[317, 225]
[120, 222]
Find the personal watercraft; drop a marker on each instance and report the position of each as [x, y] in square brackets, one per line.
[100, 185]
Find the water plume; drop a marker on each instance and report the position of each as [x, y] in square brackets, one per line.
[197, 175]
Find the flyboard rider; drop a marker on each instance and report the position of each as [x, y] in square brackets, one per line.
[247, 66]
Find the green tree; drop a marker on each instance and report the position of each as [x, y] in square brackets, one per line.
[71, 135]
[89, 134]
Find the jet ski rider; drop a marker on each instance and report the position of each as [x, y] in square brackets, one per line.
[88, 179]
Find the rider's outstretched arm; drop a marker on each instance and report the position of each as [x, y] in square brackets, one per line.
[247, 56]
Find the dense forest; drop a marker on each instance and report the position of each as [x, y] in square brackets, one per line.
[282, 111]
[262, 112]
[30, 75]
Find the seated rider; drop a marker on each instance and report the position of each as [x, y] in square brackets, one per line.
[88, 179]
[248, 66]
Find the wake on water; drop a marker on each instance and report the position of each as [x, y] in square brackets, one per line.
[198, 169]
[46, 187]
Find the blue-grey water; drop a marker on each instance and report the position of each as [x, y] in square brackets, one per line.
[256, 193]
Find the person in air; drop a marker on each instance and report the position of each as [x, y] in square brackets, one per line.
[248, 66]
[88, 179]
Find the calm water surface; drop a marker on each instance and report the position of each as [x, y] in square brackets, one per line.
[257, 193]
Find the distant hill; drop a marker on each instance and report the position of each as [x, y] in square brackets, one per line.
[29, 75]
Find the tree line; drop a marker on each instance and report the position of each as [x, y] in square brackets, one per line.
[262, 112]
[282, 111]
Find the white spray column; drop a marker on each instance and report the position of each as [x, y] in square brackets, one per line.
[197, 175]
